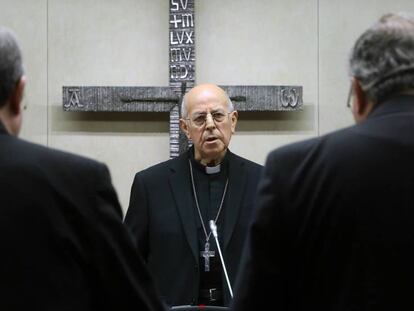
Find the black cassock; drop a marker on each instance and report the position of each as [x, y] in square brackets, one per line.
[164, 221]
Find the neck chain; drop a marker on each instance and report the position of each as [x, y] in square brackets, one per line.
[198, 206]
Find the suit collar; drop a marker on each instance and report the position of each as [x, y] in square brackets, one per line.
[393, 105]
[237, 183]
[181, 188]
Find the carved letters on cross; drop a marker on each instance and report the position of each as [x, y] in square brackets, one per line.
[289, 97]
[73, 98]
[182, 37]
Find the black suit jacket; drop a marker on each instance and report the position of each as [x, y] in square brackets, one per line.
[162, 217]
[63, 243]
[334, 227]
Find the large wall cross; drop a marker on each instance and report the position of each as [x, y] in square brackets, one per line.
[182, 77]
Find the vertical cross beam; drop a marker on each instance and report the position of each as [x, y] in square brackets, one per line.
[182, 64]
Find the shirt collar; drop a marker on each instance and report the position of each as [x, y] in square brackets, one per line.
[209, 170]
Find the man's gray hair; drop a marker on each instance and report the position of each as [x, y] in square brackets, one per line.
[184, 112]
[11, 67]
[382, 59]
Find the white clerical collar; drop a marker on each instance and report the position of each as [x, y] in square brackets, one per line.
[213, 169]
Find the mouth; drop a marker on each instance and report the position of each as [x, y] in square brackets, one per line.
[211, 139]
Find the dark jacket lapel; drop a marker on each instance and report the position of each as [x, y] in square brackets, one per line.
[181, 189]
[237, 183]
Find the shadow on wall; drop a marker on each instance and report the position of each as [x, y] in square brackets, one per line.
[152, 122]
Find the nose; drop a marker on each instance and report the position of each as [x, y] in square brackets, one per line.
[210, 122]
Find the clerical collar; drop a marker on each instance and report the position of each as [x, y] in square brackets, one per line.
[213, 169]
[209, 170]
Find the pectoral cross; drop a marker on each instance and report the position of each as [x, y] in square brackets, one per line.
[207, 253]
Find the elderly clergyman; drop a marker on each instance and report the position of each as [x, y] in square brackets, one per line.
[172, 202]
[334, 223]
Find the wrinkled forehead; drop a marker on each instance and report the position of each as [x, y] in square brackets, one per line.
[206, 100]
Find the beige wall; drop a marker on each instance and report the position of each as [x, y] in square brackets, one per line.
[125, 42]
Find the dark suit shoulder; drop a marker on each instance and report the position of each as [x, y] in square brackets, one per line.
[68, 168]
[298, 150]
[316, 153]
[27, 152]
[70, 175]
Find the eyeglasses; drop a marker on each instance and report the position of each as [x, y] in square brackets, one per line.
[351, 96]
[200, 119]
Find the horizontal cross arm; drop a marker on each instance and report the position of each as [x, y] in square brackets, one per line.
[265, 97]
[163, 99]
[118, 98]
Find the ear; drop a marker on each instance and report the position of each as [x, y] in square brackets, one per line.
[361, 106]
[184, 128]
[234, 116]
[17, 96]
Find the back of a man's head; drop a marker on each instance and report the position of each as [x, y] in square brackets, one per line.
[382, 59]
[11, 67]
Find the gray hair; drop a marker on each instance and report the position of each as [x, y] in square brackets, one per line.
[11, 67]
[184, 112]
[382, 59]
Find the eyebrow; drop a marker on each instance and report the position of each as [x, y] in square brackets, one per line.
[212, 111]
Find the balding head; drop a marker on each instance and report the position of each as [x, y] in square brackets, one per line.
[204, 89]
[209, 120]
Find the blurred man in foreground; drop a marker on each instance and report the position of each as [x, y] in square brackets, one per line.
[63, 244]
[334, 225]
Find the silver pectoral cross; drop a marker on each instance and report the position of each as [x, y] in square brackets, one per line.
[207, 253]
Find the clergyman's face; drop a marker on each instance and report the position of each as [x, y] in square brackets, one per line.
[212, 137]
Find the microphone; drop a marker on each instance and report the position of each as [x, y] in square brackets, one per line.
[213, 228]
